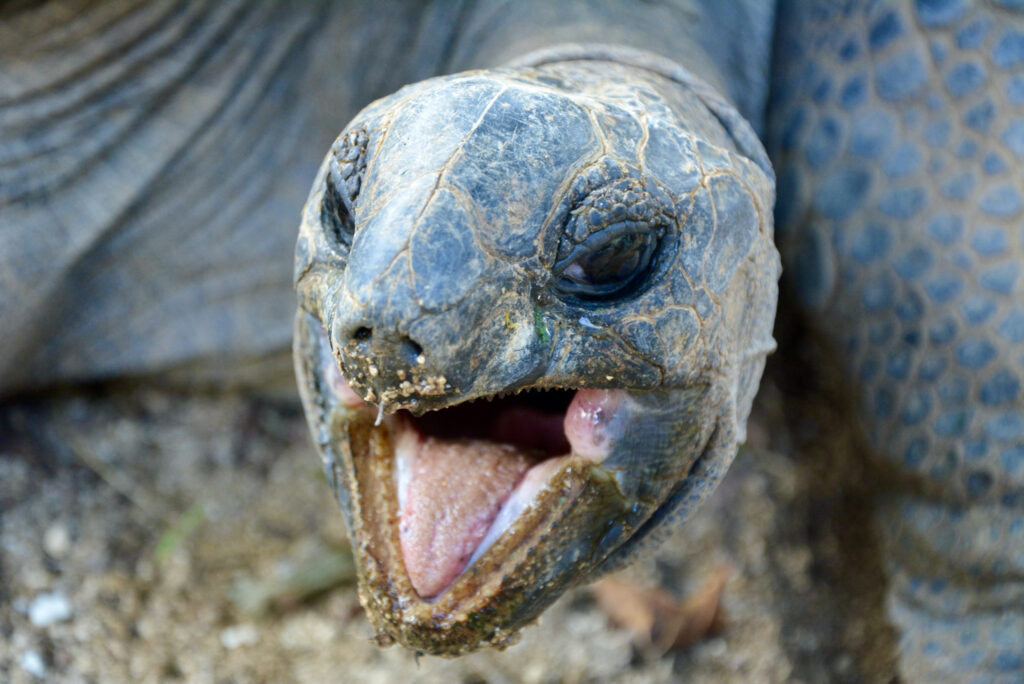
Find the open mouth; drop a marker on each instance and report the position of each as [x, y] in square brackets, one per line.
[470, 519]
[465, 473]
[462, 476]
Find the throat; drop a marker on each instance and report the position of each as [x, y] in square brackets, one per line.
[532, 421]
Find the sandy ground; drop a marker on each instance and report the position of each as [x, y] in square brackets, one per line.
[128, 516]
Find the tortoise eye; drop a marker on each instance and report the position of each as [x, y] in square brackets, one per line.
[336, 218]
[609, 269]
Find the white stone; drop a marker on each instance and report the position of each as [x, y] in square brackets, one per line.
[239, 635]
[57, 540]
[33, 663]
[47, 609]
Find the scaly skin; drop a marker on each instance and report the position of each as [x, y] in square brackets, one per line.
[897, 131]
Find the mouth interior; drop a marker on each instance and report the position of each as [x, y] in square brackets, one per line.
[465, 473]
[531, 421]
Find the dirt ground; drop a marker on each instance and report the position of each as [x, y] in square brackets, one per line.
[130, 518]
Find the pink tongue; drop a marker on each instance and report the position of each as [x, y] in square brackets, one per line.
[455, 490]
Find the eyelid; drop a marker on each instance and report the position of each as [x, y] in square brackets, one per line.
[599, 239]
[345, 170]
[336, 217]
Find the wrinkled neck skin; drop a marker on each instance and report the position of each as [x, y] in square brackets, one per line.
[431, 255]
[726, 44]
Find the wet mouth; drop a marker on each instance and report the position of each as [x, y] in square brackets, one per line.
[463, 475]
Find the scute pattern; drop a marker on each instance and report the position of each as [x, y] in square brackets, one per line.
[926, 252]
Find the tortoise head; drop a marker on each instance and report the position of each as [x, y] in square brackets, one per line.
[534, 309]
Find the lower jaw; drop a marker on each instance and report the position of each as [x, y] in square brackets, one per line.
[507, 586]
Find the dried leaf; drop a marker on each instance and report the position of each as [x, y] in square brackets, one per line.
[659, 620]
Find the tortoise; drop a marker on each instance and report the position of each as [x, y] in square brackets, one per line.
[580, 230]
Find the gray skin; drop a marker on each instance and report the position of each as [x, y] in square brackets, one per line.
[153, 158]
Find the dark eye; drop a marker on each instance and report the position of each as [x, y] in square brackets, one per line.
[335, 217]
[612, 268]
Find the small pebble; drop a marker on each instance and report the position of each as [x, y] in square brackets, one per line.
[239, 635]
[534, 672]
[57, 540]
[33, 663]
[46, 609]
[717, 648]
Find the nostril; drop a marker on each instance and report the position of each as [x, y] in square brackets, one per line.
[411, 350]
[364, 342]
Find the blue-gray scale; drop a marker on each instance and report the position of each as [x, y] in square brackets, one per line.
[905, 204]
